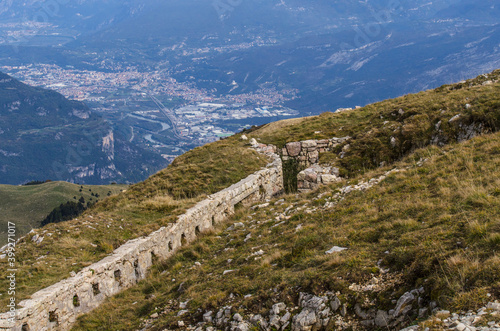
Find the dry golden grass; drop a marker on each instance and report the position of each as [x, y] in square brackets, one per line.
[140, 210]
[283, 125]
[425, 235]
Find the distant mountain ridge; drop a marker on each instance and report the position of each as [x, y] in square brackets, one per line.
[45, 136]
[335, 54]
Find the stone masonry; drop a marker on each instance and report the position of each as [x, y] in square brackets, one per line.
[307, 154]
[58, 306]
[307, 151]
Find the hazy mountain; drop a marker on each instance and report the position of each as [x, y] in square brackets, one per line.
[45, 136]
[328, 75]
[335, 53]
[81, 17]
[161, 21]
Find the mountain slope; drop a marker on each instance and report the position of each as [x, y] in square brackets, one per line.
[433, 224]
[434, 216]
[140, 210]
[45, 136]
[27, 206]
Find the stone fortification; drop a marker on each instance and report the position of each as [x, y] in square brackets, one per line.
[314, 176]
[307, 152]
[58, 306]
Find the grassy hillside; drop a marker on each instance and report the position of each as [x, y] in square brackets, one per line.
[433, 224]
[140, 210]
[435, 218]
[27, 206]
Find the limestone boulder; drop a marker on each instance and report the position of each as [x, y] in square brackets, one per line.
[382, 319]
[305, 320]
[308, 175]
[329, 179]
[313, 156]
[335, 171]
[314, 315]
[404, 303]
[309, 144]
[293, 148]
[311, 176]
[323, 143]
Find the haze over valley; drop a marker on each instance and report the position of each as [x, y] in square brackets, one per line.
[238, 165]
[172, 75]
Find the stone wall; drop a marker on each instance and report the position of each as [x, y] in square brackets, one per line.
[307, 151]
[57, 307]
[307, 154]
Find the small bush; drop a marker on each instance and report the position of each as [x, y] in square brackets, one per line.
[470, 300]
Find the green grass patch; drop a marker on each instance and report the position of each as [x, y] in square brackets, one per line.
[27, 206]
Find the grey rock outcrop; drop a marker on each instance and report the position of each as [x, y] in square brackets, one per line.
[316, 312]
[326, 312]
[486, 318]
[316, 175]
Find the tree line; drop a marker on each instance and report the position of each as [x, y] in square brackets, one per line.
[67, 211]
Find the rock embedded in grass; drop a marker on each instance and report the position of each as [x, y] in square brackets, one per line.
[335, 249]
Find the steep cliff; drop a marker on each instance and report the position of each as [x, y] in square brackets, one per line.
[45, 136]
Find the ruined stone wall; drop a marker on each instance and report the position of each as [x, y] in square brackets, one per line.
[57, 307]
[307, 152]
